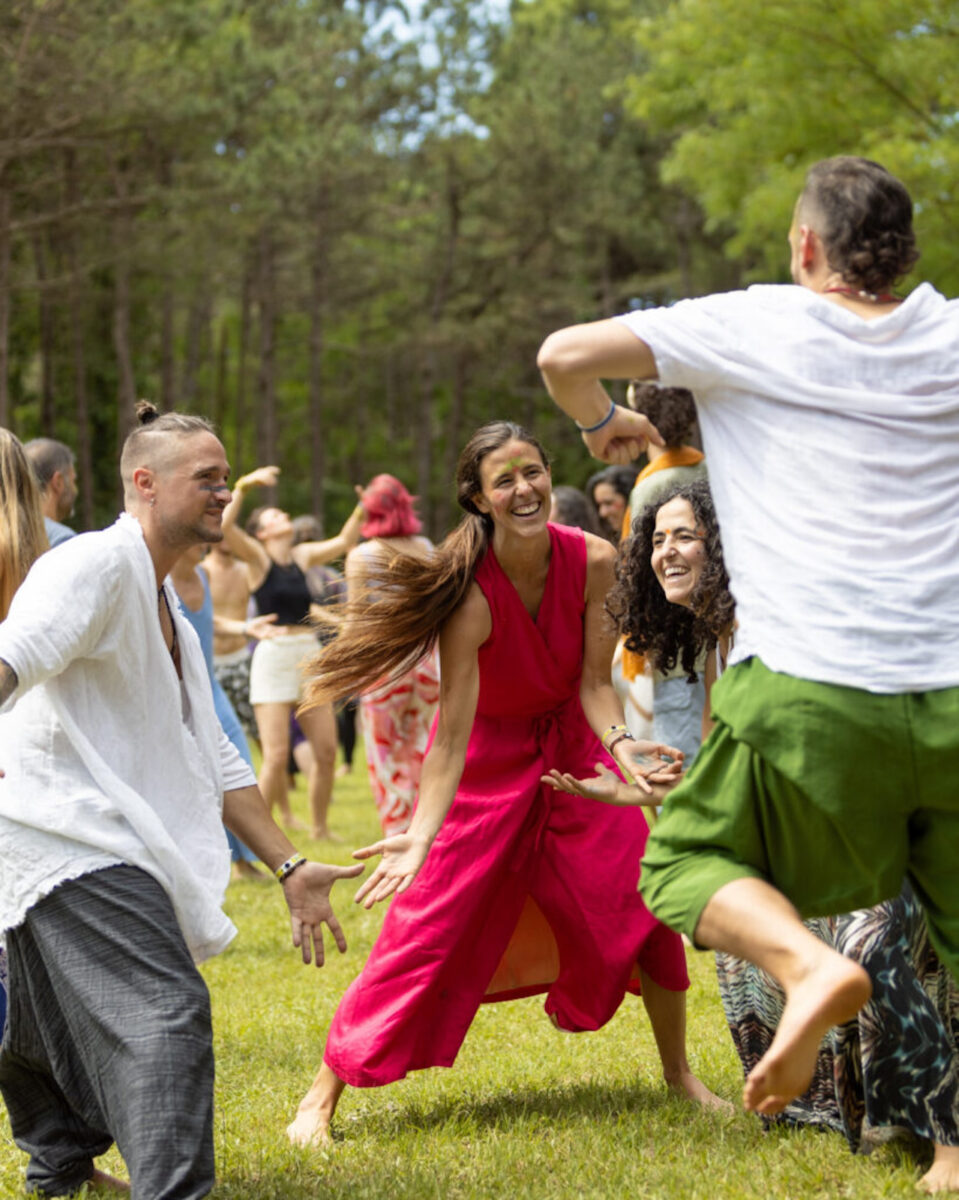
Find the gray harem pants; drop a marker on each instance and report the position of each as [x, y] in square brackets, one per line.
[109, 1039]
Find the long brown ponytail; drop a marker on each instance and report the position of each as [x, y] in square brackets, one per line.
[389, 625]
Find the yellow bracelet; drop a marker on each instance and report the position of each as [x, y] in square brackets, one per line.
[285, 870]
[612, 731]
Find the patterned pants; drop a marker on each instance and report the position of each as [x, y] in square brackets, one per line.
[233, 673]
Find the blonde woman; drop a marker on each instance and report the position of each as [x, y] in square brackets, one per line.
[22, 539]
[22, 535]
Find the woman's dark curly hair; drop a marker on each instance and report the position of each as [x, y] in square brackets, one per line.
[671, 409]
[670, 633]
[864, 216]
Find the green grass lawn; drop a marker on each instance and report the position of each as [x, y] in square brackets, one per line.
[526, 1112]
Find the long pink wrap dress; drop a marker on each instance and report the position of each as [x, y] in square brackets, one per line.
[514, 859]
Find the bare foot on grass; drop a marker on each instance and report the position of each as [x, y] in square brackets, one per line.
[294, 823]
[830, 993]
[242, 869]
[943, 1175]
[102, 1184]
[690, 1088]
[325, 835]
[309, 1129]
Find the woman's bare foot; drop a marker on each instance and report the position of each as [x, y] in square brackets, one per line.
[831, 992]
[342, 771]
[322, 834]
[691, 1088]
[309, 1129]
[102, 1183]
[311, 1125]
[943, 1175]
[294, 823]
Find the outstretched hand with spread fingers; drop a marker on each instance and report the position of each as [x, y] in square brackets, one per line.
[605, 785]
[402, 856]
[307, 892]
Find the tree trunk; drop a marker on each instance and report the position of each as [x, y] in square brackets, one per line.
[167, 400]
[423, 434]
[246, 305]
[196, 352]
[84, 447]
[266, 375]
[443, 514]
[45, 325]
[126, 383]
[167, 350]
[315, 396]
[219, 382]
[6, 416]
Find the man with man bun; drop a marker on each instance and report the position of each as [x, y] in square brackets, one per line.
[830, 420]
[114, 855]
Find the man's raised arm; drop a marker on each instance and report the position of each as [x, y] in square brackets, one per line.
[573, 361]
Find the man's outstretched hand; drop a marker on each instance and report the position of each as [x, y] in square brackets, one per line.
[307, 892]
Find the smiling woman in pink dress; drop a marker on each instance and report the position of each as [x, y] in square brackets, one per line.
[501, 886]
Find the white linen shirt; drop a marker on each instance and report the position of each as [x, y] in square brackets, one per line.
[101, 766]
[833, 452]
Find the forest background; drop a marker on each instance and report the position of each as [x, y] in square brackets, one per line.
[341, 230]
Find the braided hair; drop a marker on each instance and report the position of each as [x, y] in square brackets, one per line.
[864, 216]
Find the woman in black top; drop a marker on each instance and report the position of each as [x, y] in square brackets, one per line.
[276, 570]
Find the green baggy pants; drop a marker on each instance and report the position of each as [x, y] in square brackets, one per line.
[832, 794]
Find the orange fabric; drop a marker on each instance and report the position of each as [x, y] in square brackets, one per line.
[675, 456]
[634, 665]
[531, 960]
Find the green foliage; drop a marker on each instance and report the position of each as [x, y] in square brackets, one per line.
[755, 91]
[286, 217]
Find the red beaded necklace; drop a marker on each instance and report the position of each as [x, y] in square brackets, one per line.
[873, 297]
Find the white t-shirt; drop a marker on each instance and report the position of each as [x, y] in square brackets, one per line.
[833, 451]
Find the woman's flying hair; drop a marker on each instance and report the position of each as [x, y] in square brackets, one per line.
[388, 625]
[669, 633]
[23, 536]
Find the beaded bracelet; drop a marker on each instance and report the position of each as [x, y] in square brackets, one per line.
[614, 742]
[599, 424]
[285, 870]
[611, 730]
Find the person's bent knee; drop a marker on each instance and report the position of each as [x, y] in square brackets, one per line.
[324, 756]
[677, 890]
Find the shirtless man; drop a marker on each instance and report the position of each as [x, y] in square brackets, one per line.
[830, 419]
[230, 591]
